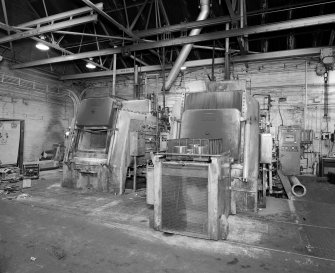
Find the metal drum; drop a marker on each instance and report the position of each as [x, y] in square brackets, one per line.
[199, 150]
[180, 149]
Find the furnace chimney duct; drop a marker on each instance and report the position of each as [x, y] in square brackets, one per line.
[204, 6]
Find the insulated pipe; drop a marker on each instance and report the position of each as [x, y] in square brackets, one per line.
[76, 101]
[270, 178]
[246, 151]
[204, 6]
[297, 189]
[114, 75]
[306, 98]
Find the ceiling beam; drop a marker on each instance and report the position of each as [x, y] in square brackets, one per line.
[60, 16]
[4, 9]
[55, 46]
[47, 28]
[235, 24]
[185, 26]
[166, 17]
[138, 15]
[110, 19]
[138, 60]
[206, 62]
[216, 21]
[310, 21]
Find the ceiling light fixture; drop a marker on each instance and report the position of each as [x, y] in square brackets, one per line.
[42, 46]
[90, 66]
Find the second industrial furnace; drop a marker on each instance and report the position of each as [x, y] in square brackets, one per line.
[212, 169]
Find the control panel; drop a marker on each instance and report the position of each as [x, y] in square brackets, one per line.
[289, 149]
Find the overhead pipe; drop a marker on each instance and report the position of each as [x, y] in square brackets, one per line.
[204, 12]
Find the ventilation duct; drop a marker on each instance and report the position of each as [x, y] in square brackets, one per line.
[204, 6]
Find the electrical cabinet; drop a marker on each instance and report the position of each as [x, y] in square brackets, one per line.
[289, 149]
[265, 155]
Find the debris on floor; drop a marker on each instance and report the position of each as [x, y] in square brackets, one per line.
[26, 183]
[58, 252]
[10, 174]
[23, 196]
[11, 189]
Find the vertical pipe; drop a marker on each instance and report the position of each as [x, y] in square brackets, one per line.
[135, 171]
[213, 61]
[136, 91]
[241, 14]
[306, 98]
[114, 74]
[264, 179]
[163, 77]
[246, 151]
[226, 59]
[270, 178]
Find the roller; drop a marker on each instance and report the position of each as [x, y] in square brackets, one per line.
[298, 189]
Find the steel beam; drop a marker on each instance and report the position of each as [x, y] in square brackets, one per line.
[138, 15]
[324, 19]
[110, 19]
[4, 9]
[55, 46]
[65, 51]
[138, 60]
[206, 62]
[185, 26]
[45, 29]
[126, 12]
[213, 21]
[166, 17]
[60, 16]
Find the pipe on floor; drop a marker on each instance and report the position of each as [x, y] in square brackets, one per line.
[298, 189]
[204, 12]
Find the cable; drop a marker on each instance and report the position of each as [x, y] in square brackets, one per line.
[281, 117]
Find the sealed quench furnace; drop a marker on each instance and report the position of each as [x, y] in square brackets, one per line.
[98, 154]
[212, 170]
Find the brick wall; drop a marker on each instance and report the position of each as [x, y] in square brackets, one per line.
[43, 107]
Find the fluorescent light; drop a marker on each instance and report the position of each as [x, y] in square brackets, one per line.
[183, 68]
[42, 47]
[90, 66]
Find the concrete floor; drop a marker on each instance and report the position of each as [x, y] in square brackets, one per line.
[63, 230]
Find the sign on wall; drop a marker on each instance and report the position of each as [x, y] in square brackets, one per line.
[9, 142]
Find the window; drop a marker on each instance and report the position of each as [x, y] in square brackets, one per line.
[93, 140]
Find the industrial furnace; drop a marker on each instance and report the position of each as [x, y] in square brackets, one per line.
[98, 154]
[212, 169]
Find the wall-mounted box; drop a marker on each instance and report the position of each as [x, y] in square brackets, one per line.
[266, 148]
[307, 136]
[289, 138]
